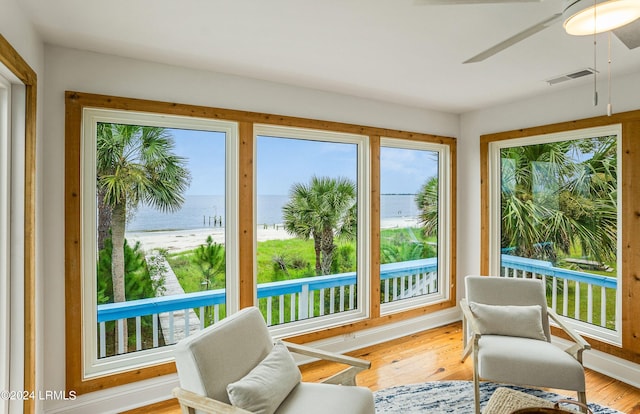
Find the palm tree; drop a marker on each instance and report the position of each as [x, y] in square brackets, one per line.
[559, 195]
[323, 209]
[427, 202]
[594, 191]
[402, 249]
[136, 164]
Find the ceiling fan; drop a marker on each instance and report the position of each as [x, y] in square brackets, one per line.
[628, 33]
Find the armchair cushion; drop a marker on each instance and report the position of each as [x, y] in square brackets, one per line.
[509, 320]
[264, 388]
[525, 361]
[317, 398]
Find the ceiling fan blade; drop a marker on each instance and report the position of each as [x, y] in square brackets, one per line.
[629, 34]
[515, 39]
[446, 2]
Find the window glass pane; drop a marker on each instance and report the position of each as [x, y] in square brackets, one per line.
[409, 216]
[160, 234]
[559, 221]
[307, 200]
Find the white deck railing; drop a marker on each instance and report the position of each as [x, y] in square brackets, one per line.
[320, 295]
[559, 281]
[305, 298]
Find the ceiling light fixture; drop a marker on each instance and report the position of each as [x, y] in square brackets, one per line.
[579, 15]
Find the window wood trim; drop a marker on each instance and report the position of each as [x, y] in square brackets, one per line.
[10, 58]
[630, 226]
[374, 208]
[76, 101]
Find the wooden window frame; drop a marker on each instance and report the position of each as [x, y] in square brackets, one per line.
[11, 59]
[76, 101]
[630, 225]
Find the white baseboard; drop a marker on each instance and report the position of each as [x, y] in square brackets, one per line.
[614, 367]
[118, 399]
[609, 365]
[373, 336]
[154, 390]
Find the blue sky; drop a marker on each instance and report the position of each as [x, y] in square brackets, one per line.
[404, 170]
[204, 152]
[282, 162]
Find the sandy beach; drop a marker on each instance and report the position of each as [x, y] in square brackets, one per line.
[181, 240]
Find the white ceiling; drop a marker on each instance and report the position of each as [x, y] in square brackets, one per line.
[390, 50]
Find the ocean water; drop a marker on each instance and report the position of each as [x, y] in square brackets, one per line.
[207, 211]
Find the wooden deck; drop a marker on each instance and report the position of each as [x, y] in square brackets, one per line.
[589, 264]
[173, 324]
[434, 355]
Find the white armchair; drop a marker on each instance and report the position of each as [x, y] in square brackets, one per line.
[506, 327]
[234, 367]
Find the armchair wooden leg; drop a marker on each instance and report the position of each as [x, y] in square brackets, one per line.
[476, 392]
[476, 381]
[582, 397]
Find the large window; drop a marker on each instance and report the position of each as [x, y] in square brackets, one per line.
[159, 190]
[414, 223]
[311, 189]
[174, 221]
[555, 216]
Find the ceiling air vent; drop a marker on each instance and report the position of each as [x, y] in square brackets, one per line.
[569, 76]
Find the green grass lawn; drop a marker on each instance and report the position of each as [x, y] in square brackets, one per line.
[286, 259]
[276, 260]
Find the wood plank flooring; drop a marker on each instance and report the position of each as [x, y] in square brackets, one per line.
[434, 355]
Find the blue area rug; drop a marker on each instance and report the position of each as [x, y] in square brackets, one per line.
[452, 397]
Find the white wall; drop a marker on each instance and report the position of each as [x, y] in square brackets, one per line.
[95, 73]
[18, 31]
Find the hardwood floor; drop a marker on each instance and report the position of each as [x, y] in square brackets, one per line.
[434, 355]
